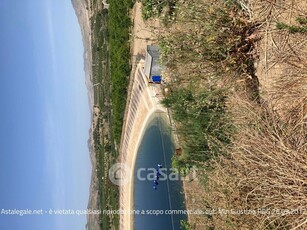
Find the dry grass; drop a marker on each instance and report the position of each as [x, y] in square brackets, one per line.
[266, 170]
[267, 166]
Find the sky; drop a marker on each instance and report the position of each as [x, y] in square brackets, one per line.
[44, 115]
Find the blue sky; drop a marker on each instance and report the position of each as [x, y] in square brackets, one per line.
[44, 116]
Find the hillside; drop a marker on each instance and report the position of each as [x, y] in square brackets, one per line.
[82, 13]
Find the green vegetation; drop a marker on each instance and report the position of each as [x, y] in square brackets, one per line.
[302, 21]
[184, 225]
[204, 127]
[119, 26]
[111, 68]
[301, 28]
[154, 8]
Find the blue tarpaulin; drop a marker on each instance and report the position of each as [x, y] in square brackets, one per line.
[156, 79]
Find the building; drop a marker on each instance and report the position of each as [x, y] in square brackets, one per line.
[152, 67]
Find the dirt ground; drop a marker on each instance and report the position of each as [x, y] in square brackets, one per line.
[143, 33]
[278, 54]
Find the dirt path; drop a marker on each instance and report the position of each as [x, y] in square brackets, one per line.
[143, 33]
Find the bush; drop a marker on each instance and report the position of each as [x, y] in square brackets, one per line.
[203, 124]
[154, 8]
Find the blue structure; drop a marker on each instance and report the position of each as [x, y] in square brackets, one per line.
[152, 68]
[156, 79]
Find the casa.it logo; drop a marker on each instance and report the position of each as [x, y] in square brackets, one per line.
[119, 174]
